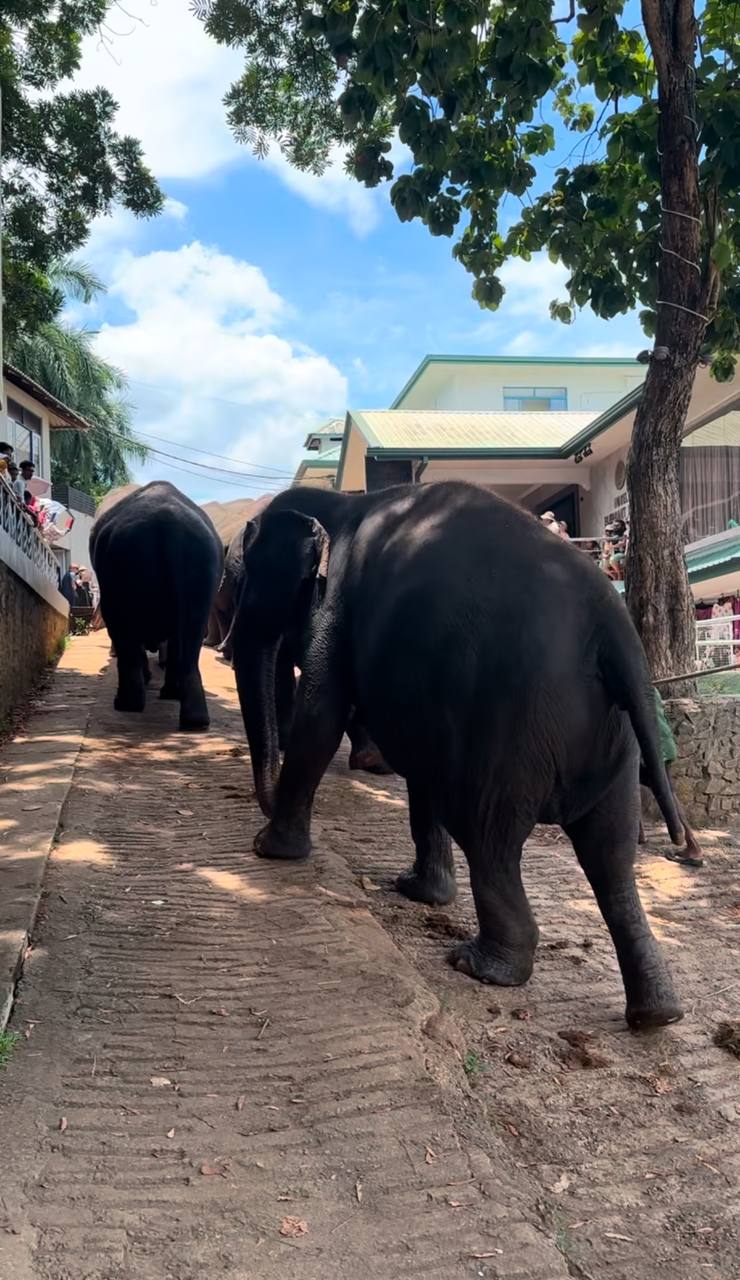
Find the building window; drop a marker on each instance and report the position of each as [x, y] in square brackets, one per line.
[25, 433]
[535, 399]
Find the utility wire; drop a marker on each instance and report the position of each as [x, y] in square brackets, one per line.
[223, 456]
[246, 476]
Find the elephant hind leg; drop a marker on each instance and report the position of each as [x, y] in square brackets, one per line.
[132, 661]
[364, 754]
[503, 951]
[605, 843]
[432, 877]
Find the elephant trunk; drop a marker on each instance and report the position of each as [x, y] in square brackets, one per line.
[254, 664]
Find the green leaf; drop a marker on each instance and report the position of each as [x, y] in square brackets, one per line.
[722, 253]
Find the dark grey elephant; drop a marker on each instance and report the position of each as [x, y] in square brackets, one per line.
[500, 675]
[158, 562]
[279, 685]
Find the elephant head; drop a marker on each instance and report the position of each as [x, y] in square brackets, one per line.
[285, 553]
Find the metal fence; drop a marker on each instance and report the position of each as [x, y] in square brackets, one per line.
[717, 641]
[24, 534]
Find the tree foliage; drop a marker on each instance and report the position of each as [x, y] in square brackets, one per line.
[61, 358]
[63, 163]
[475, 90]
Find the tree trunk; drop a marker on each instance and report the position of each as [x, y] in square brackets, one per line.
[657, 586]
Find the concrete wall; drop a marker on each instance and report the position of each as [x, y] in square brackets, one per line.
[603, 498]
[31, 631]
[706, 774]
[22, 397]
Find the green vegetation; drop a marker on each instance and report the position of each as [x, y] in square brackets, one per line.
[8, 1041]
[641, 204]
[64, 164]
[725, 685]
[61, 358]
[473, 1063]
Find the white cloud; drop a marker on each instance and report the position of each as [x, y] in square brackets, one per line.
[169, 79]
[165, 282]
[334, 190]
[111, 232]
[206, 366]
[531, 286]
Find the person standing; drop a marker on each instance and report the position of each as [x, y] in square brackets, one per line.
[68, 585]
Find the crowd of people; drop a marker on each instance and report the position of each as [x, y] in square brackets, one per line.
[77, 587]
[17, 476]
[610, 553]
[52, 520]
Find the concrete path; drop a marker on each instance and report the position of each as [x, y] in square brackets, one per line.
[230, 1068]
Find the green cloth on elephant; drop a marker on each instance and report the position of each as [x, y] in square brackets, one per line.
[668, 748]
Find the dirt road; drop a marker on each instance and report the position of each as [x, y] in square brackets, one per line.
[230, 1068]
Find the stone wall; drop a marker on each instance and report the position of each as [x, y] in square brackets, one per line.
[31, 631]
[706, 774]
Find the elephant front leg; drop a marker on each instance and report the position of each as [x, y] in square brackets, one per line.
[432, 877]
[285, 694]
[318, 725]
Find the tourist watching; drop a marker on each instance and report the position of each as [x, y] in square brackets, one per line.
[69, 584]
[16, 481]
[6, 457]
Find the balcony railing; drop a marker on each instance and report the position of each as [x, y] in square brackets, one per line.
[25, 536]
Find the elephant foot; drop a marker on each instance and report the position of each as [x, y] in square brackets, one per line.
[655, 1006]
[129, 701]
[169, 692]
[504, 968]
[195, 722]
[435, 891]
[271, 843]
[369, 760]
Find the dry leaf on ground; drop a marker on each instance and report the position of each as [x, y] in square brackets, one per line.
[63, 1124]
[159, 1082]
[294, 1227]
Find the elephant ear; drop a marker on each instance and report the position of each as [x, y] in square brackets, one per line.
[281, 563]
[249, 534]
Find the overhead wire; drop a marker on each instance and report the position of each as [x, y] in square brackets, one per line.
[248, 479]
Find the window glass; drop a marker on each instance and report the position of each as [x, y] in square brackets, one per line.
[535, 399]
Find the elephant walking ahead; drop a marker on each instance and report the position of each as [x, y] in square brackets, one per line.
[158, 562]
[499, 673]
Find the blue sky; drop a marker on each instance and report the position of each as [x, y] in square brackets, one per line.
[263, 300]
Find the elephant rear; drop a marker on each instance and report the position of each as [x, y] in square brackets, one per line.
[513, 660]
[159, 562]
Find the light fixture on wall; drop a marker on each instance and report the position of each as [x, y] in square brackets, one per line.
[585, 452]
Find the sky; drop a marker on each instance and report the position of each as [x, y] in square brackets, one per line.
[263, 300]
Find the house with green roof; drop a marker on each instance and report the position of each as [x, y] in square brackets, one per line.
[548, 434]
[323, 446]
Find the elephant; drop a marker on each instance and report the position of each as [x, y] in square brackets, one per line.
[228, 520]
[501, 676]
[158, 562]
[280, 685]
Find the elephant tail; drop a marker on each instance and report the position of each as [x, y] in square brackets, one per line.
[626, 675]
